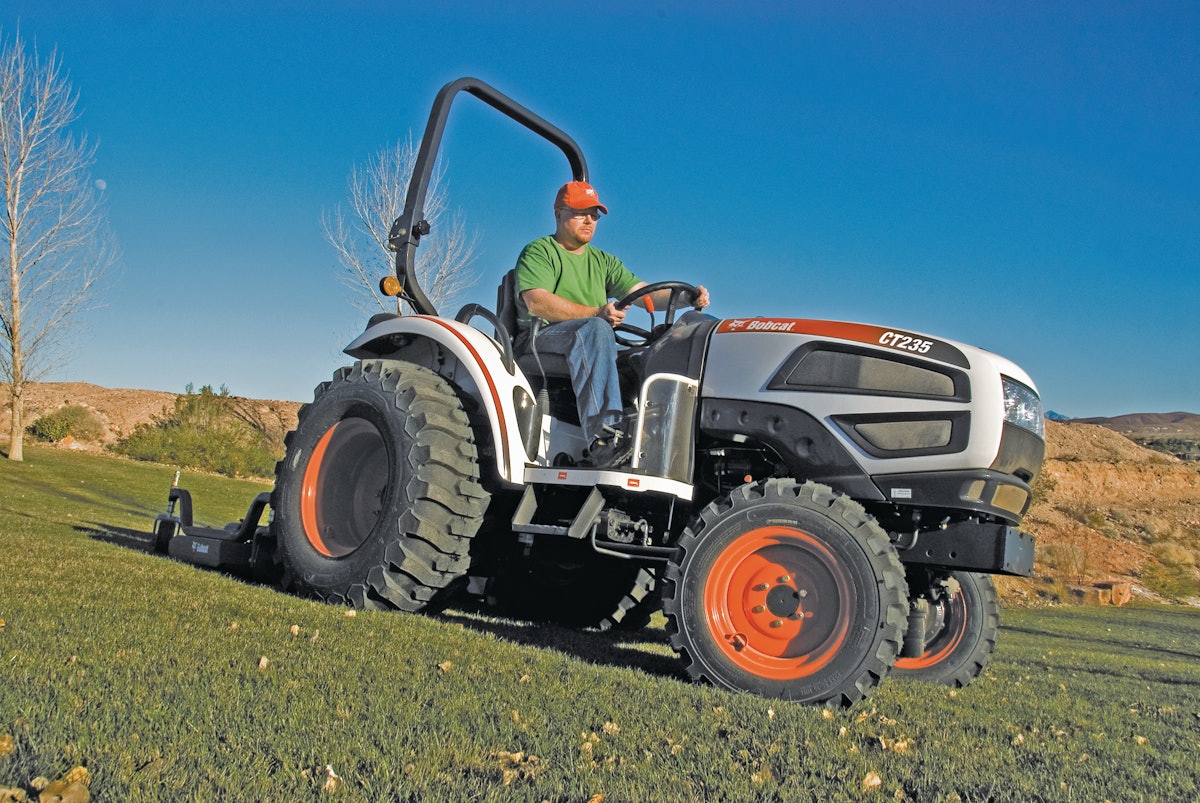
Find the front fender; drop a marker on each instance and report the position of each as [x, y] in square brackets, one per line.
[477, 368]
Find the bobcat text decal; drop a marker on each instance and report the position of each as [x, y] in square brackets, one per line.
[859, 332]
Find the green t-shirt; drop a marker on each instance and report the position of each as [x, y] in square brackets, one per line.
[590, 278]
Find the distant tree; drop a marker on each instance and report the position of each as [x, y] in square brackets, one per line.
[377, 192]
[56, 246]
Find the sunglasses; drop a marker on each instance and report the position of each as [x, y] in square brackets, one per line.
[594, 214]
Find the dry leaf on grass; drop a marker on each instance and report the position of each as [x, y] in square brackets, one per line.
[6, 744]
[517, 766]
[71, 788]
[872, 781]
[333, 781]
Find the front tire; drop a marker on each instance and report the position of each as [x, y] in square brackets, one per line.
[788, 591]
[378, 495]
[962, 621]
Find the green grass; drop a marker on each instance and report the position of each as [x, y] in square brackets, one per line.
[148, 672]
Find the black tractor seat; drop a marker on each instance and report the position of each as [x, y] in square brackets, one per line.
[535, 367]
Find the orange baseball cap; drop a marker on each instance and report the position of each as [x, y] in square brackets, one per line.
[579, 195]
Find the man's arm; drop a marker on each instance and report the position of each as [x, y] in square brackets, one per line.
[550, 307]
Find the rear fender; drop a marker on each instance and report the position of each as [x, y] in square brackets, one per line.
[473, 363]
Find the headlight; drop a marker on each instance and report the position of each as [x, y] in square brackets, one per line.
[1023, 407]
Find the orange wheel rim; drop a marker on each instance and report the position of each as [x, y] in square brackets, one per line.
[779, 603]
[944, 643]
[309, 494]
[343, 488]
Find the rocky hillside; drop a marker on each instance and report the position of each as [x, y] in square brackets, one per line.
[1110, 510]
[120, 410]
[1106, 510]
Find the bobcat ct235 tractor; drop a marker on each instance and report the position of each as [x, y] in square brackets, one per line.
[812, 504]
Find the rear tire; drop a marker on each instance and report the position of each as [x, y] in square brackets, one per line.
[962, 626]
[788, 591]
[378, 495]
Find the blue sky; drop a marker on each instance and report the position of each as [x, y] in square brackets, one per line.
[1024, 177]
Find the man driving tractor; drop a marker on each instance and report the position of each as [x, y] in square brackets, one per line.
[565, 306]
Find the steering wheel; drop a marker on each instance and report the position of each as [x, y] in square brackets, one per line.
[678, 291]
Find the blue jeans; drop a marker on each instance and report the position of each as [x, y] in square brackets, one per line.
[591, 353]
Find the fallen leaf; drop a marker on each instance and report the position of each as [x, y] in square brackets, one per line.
[445, 666]
[264, 662]
[611, 728]
[597, 798]
[8, 795]
[1140, 739]
[295, 630]
[872, 781]
[62, 792]
[78, 775]
[351, 613]
[6, 744]
[333, 781]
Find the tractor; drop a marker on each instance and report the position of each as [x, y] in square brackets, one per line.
[811, 504]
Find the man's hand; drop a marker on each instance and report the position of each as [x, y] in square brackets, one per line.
[701, 301]
[610, 313]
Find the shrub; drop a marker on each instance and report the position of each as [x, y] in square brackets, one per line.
[75, 420]
[203, 431]
[1172, 553]
[1043, 487]
[1174, 582]
[1066, 558]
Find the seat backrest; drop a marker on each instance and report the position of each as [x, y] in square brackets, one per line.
[506, 302]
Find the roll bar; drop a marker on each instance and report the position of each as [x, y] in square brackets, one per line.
[408, 229]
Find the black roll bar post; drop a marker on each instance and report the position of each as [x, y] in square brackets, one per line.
[408, 229]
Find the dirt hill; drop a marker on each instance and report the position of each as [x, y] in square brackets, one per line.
[1106, 508]
[1150, 425]
[120, 410]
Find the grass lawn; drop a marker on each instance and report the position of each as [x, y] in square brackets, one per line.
[171, 683]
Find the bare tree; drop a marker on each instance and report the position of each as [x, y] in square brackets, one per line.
[376, 198]
[56, 242]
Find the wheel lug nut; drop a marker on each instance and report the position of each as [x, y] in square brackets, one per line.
[777, 623]
[759, 608]
[802, 593]
[785, 578]
[761, 587]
